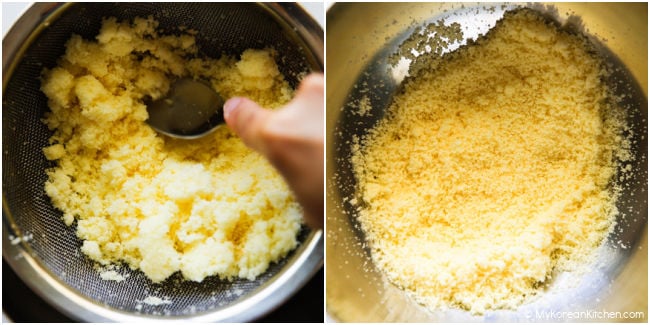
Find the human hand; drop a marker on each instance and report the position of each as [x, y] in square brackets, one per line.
[291, 138]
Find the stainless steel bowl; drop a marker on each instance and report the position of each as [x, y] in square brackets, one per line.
[360, 37]
[44, 253]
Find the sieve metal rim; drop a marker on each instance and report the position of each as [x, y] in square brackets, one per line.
[306, 260]
[74, 305]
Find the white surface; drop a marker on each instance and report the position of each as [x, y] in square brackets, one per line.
[316, 10]
[11, 11]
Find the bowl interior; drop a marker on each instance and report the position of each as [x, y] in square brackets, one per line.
[361, 41]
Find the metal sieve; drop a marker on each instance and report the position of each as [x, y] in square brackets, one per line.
[45, 253]
[361, 40]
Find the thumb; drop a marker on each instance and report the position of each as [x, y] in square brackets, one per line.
[246, 119]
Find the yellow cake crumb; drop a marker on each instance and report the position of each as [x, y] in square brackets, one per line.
[491, 169]
[203, 207]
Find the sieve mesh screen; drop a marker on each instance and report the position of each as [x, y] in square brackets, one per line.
[223, 28]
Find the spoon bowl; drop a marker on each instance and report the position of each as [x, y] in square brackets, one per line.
[190, 110]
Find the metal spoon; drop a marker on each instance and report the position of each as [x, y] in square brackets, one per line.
[190, 110]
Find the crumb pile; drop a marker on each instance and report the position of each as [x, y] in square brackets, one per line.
[491, 169]
[202, 207]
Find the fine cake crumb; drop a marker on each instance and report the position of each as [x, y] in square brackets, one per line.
[155, 301]
[491, 169]
[15, 240]
[426, 42]
[203, 207]
[362, 107]
[111, 275]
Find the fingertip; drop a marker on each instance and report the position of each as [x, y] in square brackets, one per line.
[313, 80]
[246, 119]
[229, 106]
